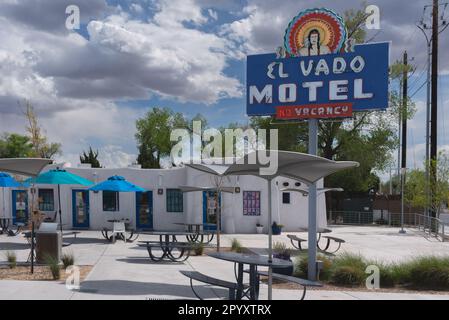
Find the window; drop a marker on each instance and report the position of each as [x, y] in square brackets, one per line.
[286, 197]
[110, 201]
[46, 200]
[251, 203]
[175, 200]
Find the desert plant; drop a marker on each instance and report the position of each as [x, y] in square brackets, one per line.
[11, 257]
[236, 246]
[348, 269]
[301, 267]
[53, 264]
[281, 251]
[429, 273]
[198, 248]
[348, 276]
[68, 259]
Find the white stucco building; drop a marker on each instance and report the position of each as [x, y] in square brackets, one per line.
[164, 204]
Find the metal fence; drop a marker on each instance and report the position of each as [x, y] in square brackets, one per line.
[432, 226]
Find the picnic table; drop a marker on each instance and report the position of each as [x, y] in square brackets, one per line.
[6, 223]
[172, 249]
[198, 231]
[253, 261]
[320, 231]
[132, 237]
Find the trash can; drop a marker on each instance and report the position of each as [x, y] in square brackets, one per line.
[48, 242]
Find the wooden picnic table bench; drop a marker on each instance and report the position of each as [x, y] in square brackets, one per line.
[195, 275]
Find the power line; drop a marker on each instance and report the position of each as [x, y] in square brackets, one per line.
[419, 89]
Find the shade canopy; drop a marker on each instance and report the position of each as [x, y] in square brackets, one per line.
[196, 189]
[59, 176]
[24, 166]
[305, 193]
[6, 181]
[117, 184]
[295, 165]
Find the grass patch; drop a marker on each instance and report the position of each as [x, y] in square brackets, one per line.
[54, 266]
[236, 246]
[68, 259]
[421, 273]
[301, 267]
[11, 257]
[426, 273]
[198, 248]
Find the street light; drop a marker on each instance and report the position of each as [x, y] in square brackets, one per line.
[403, 171]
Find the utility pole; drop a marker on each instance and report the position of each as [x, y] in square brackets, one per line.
[404, 111]
[434, 102]
[404, 135]
[432, 78]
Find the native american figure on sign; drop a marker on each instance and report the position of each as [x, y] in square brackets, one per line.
[315, 32]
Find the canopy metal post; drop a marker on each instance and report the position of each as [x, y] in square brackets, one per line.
[60, 211]
[270, 244]
[313, 148]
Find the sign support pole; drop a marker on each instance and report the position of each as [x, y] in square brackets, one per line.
[313, 150]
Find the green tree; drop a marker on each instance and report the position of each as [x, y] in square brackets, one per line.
[416, 185]
[15, 146]
[90, 157]
[153, 135]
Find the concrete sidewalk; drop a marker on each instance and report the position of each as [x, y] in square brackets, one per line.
[124, 271]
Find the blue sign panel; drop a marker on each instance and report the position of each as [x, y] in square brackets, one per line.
[358, 79]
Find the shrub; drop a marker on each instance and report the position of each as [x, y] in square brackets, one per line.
[11, 258]
[281, 251]
[301, 267]
[348, 276]
[53, 264]
[236, 246]
[348, 269]
[429, 273]
[68, 259]
[198, 248]
[386, 274]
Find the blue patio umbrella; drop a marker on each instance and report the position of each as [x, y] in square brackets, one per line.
[117, 184]
[6, 181]
[58, 177]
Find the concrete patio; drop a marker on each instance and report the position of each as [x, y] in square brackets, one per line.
[124, 271]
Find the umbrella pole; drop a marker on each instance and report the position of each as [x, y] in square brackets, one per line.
[59, 205]
[3, 194]
[270, 244]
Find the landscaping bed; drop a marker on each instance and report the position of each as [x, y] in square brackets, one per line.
[41, 273]
[347, 271]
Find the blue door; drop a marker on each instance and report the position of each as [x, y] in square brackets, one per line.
[144, 210]
[210, 209]
[80, 209]
[19, 206]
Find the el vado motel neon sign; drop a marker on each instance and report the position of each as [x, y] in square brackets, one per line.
[318, 73]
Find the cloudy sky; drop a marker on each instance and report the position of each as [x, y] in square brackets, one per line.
[89, 86]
